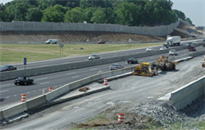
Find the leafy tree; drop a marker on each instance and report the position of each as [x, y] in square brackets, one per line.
[73, 3]
[88, 14]
[44, 4]
[4, 14]
[179, 14]
[74, 16]
[189, 21]
[99, 16]
[34, 14]
[54, 14]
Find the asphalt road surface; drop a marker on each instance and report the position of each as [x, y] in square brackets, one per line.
[11, 94]
[132, 89]
[66, 60]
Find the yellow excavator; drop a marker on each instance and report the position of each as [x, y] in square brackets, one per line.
[145, 69]
[164, 64]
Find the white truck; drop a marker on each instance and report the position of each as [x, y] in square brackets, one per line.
[51, 41]
[173, 40]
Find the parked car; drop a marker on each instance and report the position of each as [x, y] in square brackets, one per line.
[149, 49]
[93, 57]
[101, 42]
[192, 48]
[172, 52]
[51, 41]
[116, 66]
[132, 61]
[7, 68]
[23, 81]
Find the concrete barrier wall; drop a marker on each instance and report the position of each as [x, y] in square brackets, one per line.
[14, 110]
[36, 102]
[185, 95]
[57, 26]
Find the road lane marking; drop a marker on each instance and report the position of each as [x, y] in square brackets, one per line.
[4, 91]
[70, 73]
[94, 69]
[75, 76]
[7, 97]
[6, 85]
[42, 78]
[44, 83]
[15, 95]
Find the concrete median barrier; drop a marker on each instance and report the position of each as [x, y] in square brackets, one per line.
[185, 95]
[14, 110]
[52, 95]
[36, 102]
[74, 85]
[1, 116]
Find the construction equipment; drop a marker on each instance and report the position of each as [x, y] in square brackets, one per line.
[145, 69]
[164, 64]
[203, 62]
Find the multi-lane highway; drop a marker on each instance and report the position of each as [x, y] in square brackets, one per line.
[127, 93]
[12, 94]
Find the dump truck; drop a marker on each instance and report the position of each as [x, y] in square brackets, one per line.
[163, 63]
[145, 69]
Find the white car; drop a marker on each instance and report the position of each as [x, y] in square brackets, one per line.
[116, 66]
[93, 57]
[51, 41]
[149, 49]
[162, 48]
[172, 52]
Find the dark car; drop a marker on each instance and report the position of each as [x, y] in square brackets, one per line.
[132, 61]
[101, 42]
[191, 48]
[165, 45]
[7, 68]
[23, 81]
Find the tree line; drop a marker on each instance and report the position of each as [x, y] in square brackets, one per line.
[123, 12]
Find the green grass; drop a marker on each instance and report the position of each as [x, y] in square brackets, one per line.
[14, 53]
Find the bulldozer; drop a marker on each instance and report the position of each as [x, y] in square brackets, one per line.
[164, 64]
[145, 69]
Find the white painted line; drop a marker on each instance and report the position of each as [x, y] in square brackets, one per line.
[70, 73]
[6, 85]
[4, 91]
[28, 92]
[75, 76]
[94, 69]
[42, 78]
[7, 97]
[15, 95]
[44, 83]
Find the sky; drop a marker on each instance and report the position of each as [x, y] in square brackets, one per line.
[193, 9]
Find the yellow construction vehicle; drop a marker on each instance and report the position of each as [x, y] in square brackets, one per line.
[145, 69]
[164, 64]
[203, 62]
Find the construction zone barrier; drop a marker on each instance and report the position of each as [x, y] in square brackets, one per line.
[121, 117]
[105, 81]
[50, 89]
[23, 97]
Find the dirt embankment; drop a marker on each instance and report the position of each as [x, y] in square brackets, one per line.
[82, 36]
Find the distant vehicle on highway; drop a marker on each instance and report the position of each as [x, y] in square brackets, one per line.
[162, 48]
[23, 81]
[132, 61]
[172, 52]
[101, 42]
[203, 42]
[149, 49]
[51, 41]
[165, 45]
[189, 44]
[116, 66]
[192, 48]
[93, 57]
[173, 40]
[7, 68]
